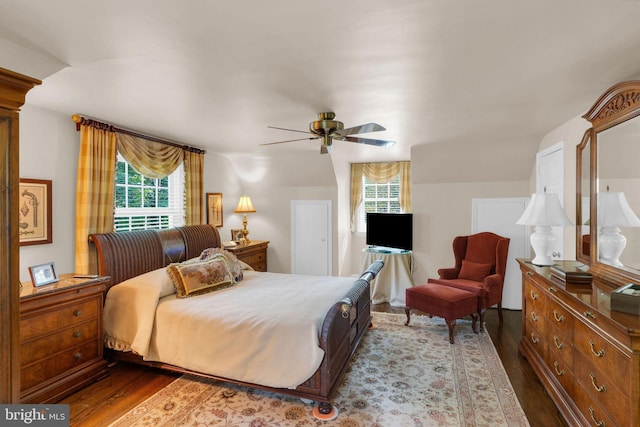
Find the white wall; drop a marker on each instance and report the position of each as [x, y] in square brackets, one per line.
[49, 150]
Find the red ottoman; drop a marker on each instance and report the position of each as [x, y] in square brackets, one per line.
[443, 301]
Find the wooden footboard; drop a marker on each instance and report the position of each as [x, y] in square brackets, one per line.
[125, 255]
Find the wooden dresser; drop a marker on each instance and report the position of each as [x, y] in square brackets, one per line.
[254, 254]
[60, 337]
[586, 355]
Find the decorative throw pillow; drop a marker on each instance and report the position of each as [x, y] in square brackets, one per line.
[474, 271]
[234, 264]
[197, 278]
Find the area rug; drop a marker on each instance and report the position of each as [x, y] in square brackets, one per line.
[400, 376]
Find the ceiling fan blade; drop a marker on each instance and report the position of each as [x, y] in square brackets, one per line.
[291, 140]
[366, 128]
[290, 130]
[369, 141]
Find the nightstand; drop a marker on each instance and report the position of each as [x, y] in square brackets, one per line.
[61, 340]
[254, 254]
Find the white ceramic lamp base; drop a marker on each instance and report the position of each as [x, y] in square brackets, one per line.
[543, 242]
[610, 246]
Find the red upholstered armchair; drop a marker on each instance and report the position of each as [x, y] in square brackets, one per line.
[481, 261]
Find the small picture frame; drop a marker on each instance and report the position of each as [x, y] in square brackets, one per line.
[214, 209]
[236, 234]
[43, 274]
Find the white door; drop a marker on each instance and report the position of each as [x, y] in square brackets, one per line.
[499, 216]
[550, 176]
[311, 237]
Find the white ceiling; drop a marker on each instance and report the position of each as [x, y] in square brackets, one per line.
[214, 74]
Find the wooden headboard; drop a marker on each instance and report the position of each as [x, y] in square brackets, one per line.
[128, 254]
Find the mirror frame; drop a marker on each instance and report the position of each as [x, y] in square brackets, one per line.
[621, 102]
[580, 170]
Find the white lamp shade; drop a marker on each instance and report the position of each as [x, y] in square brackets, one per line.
[614, 211]
[544, 209]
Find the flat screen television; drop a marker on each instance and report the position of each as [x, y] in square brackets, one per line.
[390, 230]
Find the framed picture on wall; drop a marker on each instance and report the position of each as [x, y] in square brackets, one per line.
[34, 205]
[214, 209]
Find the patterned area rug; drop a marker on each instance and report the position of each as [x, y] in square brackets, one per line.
[400, 376]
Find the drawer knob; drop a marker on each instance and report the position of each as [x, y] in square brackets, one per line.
[557, 342]
[77, 334]
[600, 353]
[560, 372]
[535, 339]
[77, 356]
[589, 314]
[601, 388]
[77, 313]
[533, 296]
[552, 289]
[600, 423]
[558, 318]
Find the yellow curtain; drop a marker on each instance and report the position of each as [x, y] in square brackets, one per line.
[193, 171]
[94, 192]
[380, 172]
[152, 159]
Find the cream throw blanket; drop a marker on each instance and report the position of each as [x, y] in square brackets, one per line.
[264, 330]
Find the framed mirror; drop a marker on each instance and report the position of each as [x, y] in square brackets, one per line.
[612, 149]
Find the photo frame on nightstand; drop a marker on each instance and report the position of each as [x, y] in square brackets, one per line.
[43, 274]
[236, 234]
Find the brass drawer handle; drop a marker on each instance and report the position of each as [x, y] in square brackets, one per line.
[558, 318]
[600, 353]
[529, 273]
[600, 423]
[589, 314]
[602, 388]
[77, 313]
[559, 345]
[77, 356]
[559, 372]
[535, 339]
[534, 317]
[77, 334]
[533, 296]
[552, 289]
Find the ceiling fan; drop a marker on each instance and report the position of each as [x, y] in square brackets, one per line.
[328, 129]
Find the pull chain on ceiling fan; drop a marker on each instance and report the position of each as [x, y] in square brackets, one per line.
[327, 129]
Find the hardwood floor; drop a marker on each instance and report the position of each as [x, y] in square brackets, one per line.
[106, 400]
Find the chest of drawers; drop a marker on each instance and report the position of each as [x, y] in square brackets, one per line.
[586, 356]
[60, 338]
[254, 254]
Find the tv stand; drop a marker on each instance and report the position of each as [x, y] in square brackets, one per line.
[392, 281]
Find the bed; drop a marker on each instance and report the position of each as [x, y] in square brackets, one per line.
[140, 303]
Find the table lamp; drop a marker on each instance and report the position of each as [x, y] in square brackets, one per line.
[543, 211]
[613, 212]
[244, 207]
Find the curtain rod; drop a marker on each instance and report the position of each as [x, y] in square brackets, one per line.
[79, 120]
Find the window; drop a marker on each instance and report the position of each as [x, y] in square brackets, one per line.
[378, 197]
[147, 203]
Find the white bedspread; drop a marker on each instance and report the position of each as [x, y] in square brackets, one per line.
[264, 330]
